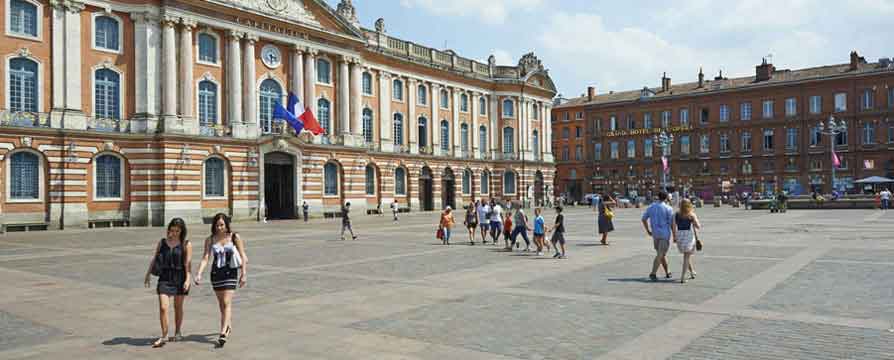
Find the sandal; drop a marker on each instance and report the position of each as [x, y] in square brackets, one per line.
[160, 342]
[177, 337]
[222, 340]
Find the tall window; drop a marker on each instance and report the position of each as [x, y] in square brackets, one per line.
[485, 182]
[816, 104]
[613, 148]
[746, 142]
[23, 18]
[464, 103]
[270, 94]
[423, 132]
[482, 106]
[745, 111]
[705, 144]
[445, 135]
[467, 181]
[597, 151]
[724, 113]
[705, 115]
[685, 146]
[840, 102]
[565, 133]
[445, 99]
[768, 140]
[684, 117]
[891, 97]
[398, 129]
[207, 103]
[508, 109]
[647, 148]
[791, 107]
[324, 71]
[816, 137]
[578, 132]
[509, 182]
[867, 101]
[214, 177]
[579, 152]
[767, 109]
[108, 177]
[724, 143]
[397, 90]
[566, 154]
[324, 116]
[330, 179]
[508, 139]
[400, 181]
[367, 83]
[421, 95]
[612, 123]
[841, 138]
[106, 94]
[106, 36]
[207, 48]
[631, 149]
[868, 133]
[665, 118]
[482, 140]
[464, 137]
[24, 174]
[535, 142]
[370, 180]
[22, 85]
[890, 134]
[647, 121]
[791, 138]
[368, 126]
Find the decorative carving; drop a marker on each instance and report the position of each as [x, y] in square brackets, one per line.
[380, 25]
[26, 141]
[529, 63]
[24, 52]
[347, 11]
[188, 24]
[170, 21]
[281, 145]
[106, 63]
[217, 149]
[289, 9]
[67, 5]
[491, 60]
[234, 34]
[108, 146]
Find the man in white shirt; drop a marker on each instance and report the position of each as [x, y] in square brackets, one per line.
[496, 221]
[484, 220]
[394, 210]
[886, 199]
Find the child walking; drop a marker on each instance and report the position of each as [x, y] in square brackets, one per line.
[539, 231]
[558, 230]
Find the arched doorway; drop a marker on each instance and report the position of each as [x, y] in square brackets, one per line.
[448, 189]
[538, 188]
[279, 185]
[426, 190]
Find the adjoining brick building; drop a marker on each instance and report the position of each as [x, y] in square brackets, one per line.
[122, 111]
[755, 133]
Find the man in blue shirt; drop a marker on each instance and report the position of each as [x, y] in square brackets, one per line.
[657, 221]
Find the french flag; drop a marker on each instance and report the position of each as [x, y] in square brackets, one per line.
[298, 116]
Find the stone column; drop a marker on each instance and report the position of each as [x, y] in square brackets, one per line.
[169, 66]
[454, 96]
[434, 123]
[495, 129]
[234, 84]
[147, 88]
[357, 100]
[548, 134]
[250, 88]
[385, 113]
[66, 39]
[473, 127]
[310, 81]
[344, 101]
[187, 108]
[412, 127]
[297, 74]
[518, 130]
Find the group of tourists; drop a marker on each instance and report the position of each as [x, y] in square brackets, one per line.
[171, 263]
[489, 217]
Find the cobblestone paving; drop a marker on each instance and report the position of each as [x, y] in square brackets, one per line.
[800, 285]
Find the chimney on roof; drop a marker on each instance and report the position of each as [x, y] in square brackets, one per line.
[701, 77]
[591, 93]
[856, 61]
[719, 76]
[764, 71]
[665, 82]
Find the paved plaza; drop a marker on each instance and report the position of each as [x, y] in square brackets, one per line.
[801, 285]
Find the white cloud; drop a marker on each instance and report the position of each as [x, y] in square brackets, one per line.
[493, 12]
[503, 57]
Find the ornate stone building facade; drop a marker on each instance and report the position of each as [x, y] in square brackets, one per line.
[139, 111]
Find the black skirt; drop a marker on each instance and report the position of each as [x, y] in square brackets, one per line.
[224, 278]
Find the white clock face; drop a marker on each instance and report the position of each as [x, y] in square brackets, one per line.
[271, 56]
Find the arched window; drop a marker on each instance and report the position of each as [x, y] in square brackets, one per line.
[107, 97]
[400, 181]
[482, 106]
[508, 140]
[535, 114]
[508, 108]
[207, 103]
[423, 132]
[535, 139]
[370, 180]
[367, 84]
[467, 181]
[508, 182]
[464, 103]
[397, 90]
[368, 125]
[270, 93]
[207, 48]
[106, 33]
[324, 69]
[323, 113]
[421, 95]
[398, 129]
[482, 139]
[485, 182]
[23, 94]
[445, 99]
[108, 177]
[330, 177]
[445, 135]
[214, 177]
[23, 18]
[24, 176]
[464, 137]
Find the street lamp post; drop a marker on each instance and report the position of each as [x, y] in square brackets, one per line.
[832, 128]
[664, 140]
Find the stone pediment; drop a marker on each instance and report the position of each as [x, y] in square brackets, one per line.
[294, 10]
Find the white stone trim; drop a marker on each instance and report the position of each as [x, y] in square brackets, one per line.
[109, 14]
[122, 86]
[41, 181]
[207, 76]
[7, 20]
[121, 176]
[226, 176]
[218, 44]
[40, 77]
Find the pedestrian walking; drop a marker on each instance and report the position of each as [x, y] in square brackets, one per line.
[379, 208]
[520, 227]
[558, 231]
[394, 210]
[657, 220]
[483, 211]
[605, 216]
[346, 221]
[446, 224]
[496, 221]
[685, 230]
[471, 222]
[507, 229]
[171, 263]
[539, 231]
[886, 199]
[229, 269]
[305, 209]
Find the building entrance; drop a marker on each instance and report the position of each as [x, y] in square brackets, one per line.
[448, 189]
[279, 185]
[426, 190]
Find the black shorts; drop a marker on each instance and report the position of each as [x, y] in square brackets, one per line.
[558, 238]
[170, 282]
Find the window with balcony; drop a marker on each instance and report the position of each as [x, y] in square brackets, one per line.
[684, 145]
[745, 111]
[665, 118]
[816, 104]
[647, 148]
[578, 132]
[724, 143]
[791, 107]
[270, 93]
[508, 139]
[207, 103]
[597, 151]
[579, 152]
[767, 109]
[705, 144]
[841, 138]
[868, 133]
[705, 115]
[746, 142]
[724, 113]
[613, 123]
[445, 135]
[107, 95]
[23, 81]
[684, 117]
[647, 121]
[816, 137]
[867, 100]
[768, 140]
[631, 149]
[840, 102]
[613, 148]
[791, 139]
[398, 130]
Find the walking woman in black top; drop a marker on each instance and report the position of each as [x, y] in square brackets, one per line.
[228, 250]
[171, 263]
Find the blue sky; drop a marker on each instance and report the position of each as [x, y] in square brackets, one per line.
[617, 45]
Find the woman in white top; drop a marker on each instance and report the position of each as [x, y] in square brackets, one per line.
[228, 250]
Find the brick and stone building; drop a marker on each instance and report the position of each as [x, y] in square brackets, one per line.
[755, 133]
[123, 111]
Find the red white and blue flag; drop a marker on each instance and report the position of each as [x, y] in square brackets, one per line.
[299, 117]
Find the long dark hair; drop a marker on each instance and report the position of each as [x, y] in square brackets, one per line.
[178, 222]
[217, 217]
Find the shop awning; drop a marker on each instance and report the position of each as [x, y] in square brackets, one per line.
[874, 180]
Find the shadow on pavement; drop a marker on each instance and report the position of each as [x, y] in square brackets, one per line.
[202, 339]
